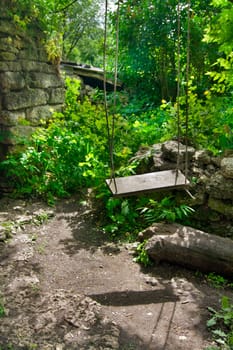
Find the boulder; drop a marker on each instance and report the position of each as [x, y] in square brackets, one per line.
[223, 207]
[220, 187]
[202, 157]
[170, 151]
[227, 167]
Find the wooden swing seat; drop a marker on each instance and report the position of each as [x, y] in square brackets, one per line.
[136, 184]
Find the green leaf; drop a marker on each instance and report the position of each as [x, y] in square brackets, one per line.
[212, 322]
[125, 208]
[225, 302]
[219, 333]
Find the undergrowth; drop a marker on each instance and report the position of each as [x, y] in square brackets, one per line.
[71, 150]
[2, 307]
[132, 215]
[221, 325]
[218, 281]
[142, 256]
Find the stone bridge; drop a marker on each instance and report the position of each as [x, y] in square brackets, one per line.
[90, 75]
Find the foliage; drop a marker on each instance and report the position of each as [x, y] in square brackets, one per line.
[122, 216]
[2, 308]
[166, 210]
[65, 155]
[71, 150]
[148, 46]
[127, 216]
[210, 120]
[142, 256]
[221, 324]
[218, 281]
[220, 31]
[67, 26]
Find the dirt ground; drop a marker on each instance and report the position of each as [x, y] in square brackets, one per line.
[65, 286]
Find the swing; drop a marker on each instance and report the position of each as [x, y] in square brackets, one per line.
[148, 182]
[155, 181]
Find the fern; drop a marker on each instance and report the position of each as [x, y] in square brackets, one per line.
[166, 210]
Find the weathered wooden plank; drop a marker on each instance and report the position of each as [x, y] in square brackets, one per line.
[135, 184]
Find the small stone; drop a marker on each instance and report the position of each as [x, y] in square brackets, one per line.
[227, 167]
[202, 157]
[149, 314]
[154, 282]
[147, 280]
[182, 337]
[59, 347]
[18, 208]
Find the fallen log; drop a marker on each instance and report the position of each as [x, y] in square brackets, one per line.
[189, 247]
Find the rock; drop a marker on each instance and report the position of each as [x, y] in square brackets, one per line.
[221, 207]
[160, 164]
[170, 151]
[145, 158]
[202, 157]
[227, 167]
[20, 100]
[220, 187]
[59, 347]
[203, 179]
[216, 161]
[23, 220]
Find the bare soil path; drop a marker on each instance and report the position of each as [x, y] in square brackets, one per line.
[66, 287]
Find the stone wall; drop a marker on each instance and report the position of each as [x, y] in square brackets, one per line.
[31, 88]
[211, 181]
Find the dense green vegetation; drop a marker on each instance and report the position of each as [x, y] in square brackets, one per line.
[71, 152]
[66, 26]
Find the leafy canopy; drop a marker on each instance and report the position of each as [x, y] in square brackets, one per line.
[220, 31]
[65, 24]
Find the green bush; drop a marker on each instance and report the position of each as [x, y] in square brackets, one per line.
[71, 150]
[68, 153]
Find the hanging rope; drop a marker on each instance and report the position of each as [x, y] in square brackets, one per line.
[186, 92]
[116, 58]
[187, 95]
[110, 129]
[187, 89]
[178, 89]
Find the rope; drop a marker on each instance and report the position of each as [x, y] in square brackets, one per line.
[187, 91]
[116, 57]
[109, 133]
[115, 91]
[178, 90]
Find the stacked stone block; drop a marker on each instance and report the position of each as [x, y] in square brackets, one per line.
[31, 88]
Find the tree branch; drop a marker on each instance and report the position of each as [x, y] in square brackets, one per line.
[66, 7]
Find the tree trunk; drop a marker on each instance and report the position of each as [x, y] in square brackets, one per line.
[190, 247]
